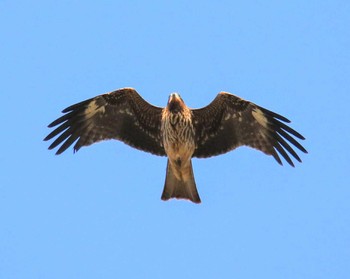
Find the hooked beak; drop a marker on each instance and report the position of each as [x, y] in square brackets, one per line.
[174, 97]
[175, 103]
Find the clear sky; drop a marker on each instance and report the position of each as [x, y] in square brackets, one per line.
[98, 213]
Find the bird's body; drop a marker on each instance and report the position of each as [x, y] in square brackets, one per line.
[176, 131]
[179, 145]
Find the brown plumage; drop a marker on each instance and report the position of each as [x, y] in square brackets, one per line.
[179, 144]
[176, 131]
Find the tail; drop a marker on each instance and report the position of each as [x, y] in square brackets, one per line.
[180, 188]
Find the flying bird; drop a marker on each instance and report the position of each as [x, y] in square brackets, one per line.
[176, 131]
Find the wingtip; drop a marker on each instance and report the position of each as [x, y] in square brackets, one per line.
[68, 109]
[50, 125]
[274, 114]
[303, 150]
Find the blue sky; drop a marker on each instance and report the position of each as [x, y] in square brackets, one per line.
[98, 213]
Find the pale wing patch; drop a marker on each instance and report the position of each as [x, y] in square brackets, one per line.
[260, 117]
[227, 116]
[125, 111]
[93, 108]
[237, 115]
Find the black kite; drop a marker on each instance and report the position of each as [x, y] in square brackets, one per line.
[176, 131]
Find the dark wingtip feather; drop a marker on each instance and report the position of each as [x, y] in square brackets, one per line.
[60, 151]
[284, 154]
[280, 137]
[77, 106]
[50, 147]
[71, 108]
[63, 118]
[277, 158]
[288, 137]
[274, 114]
[68, 124]
[52, 124]
[298, 135]
[286, 146]
[290, 130]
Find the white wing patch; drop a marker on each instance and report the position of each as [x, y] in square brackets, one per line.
[260, 117]
[92, 109]
[227, 116]
[234, 115]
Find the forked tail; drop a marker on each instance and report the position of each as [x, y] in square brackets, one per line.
[180, 188]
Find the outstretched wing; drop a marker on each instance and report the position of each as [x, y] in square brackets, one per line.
[122, 114]
[229, 122]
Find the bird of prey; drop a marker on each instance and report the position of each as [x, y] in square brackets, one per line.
[176, 131]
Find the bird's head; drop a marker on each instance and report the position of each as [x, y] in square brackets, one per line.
[175, 103]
